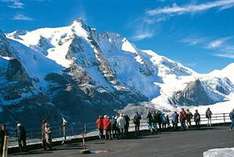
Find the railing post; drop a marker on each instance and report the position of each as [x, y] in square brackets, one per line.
[224, 118]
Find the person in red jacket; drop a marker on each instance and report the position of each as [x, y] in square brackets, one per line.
[100, 127]
[183, 117]
[107, 127]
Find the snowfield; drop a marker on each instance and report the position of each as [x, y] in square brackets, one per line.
[221, 152]
[112, 63]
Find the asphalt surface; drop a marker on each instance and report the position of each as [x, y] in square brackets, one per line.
[190, 143]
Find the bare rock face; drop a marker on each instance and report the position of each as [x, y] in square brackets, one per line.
[78, 73]
[195, 93]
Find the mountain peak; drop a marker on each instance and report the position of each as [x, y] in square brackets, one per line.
[229, 67]
[79, 20]
[80, 27]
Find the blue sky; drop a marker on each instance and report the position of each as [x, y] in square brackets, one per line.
[197, 33]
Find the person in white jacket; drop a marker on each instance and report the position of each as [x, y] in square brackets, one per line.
[121, 124]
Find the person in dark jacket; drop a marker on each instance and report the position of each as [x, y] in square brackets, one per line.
[183, 119]
[154, 115]
[127, 120]
[2, 137]
[150, 121]
[231, 115]
[158, 120]
[3, 134]
[137, 122]
[197, 119]
[189, 117]
[168, 121]
[114, 128]
[21, 136]
[175, 120]
[208, 116]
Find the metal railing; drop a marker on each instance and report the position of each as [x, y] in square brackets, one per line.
[75, 131]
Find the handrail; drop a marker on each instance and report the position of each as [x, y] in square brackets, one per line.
[33, 134]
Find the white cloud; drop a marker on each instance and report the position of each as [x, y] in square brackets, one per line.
[225, 55]
[21, 17]
[191, 8]
[218, 43]
[16, 4]
[193, 40]
[143, 29]
[143, 35]
[221, 47]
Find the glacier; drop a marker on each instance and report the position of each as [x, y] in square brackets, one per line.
[75, 71]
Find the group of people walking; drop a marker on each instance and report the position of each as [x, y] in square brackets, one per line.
[116, 126]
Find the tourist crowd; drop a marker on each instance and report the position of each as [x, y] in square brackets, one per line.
[117, 126]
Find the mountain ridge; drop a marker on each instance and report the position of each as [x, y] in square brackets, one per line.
[76, 70]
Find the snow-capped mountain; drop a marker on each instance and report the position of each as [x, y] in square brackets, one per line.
[75, 71]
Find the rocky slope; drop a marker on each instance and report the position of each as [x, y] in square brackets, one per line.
[77, 72]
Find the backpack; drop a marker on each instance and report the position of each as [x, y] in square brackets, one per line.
[136, 119]
[197, 117]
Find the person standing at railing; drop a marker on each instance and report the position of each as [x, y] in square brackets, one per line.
[155, 121]
[121, 122]
[189, 117]
[183, 119]
[168, 121]
[158, 120]
[99, 124]
[231, 115]
[208, 116]
[163, 120]
[107, 127]
[64, 126]
[137, 122]
[21, 136]
[175, 120]
[197, 119]
[114, 128]
[46, 135]
[127, 119]
[2, 138]
[150, 121]
[43, 134]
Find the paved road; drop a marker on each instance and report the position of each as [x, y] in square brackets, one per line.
[190, 143]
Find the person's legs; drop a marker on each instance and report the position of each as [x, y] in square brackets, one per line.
[44, 144]
[197, 124]
[20, 144]
[1, 148]
[210, 121]
[232, 124]
[24, 144]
